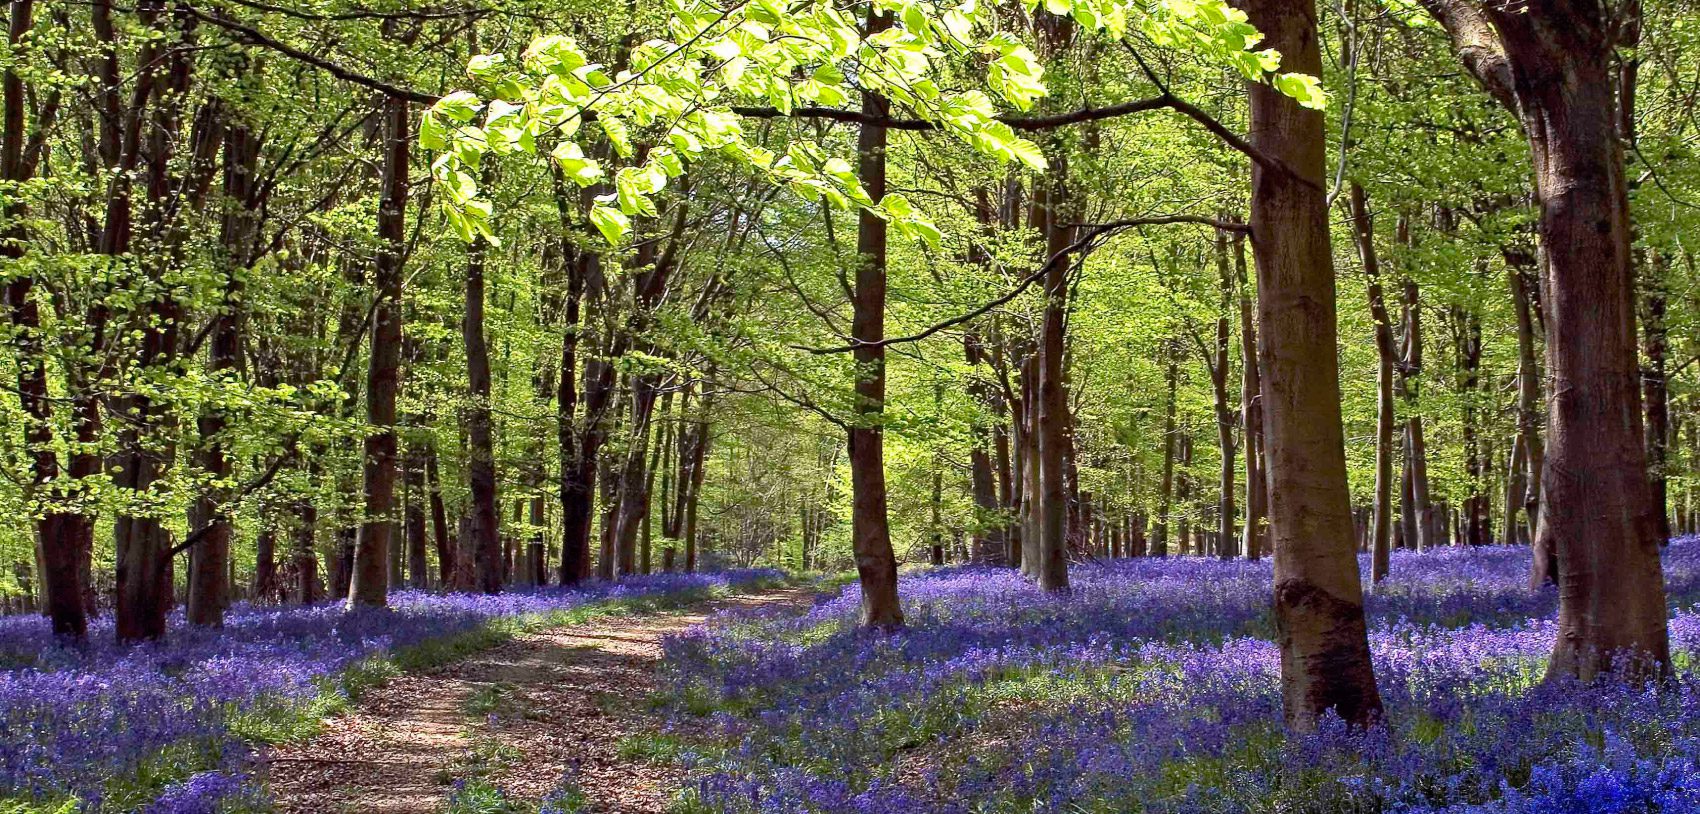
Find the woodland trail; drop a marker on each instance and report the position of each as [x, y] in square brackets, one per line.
[522, 715]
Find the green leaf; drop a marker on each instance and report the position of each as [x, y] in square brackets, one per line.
[1303, 88]
[459, 106]
[612, 223]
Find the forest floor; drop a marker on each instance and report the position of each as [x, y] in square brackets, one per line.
[551, 709]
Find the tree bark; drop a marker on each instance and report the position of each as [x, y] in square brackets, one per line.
[60, 531]
[876, 564]
[369, 583]
[485, 528]
[1251, 416]
[1363, 227]
[1165, 496]
[209, 558]
[1550, 64]
[1320, 628]
[1225, 511]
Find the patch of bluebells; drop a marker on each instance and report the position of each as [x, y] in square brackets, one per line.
[76, 717]
[1154, 686]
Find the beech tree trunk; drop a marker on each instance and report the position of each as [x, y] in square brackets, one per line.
[1551, 65]
[413, 474]
[1051, 506]
[1320, 628]
[1165, 496]
[485, 528]
[1528, 423]
[1418, 513]
[870, 533]
[1363, 227]
[369, 583]
[141, 543]
[1251, 416]
[1225, 511]
[60, 533]
[209, 557]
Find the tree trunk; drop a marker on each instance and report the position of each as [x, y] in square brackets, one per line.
[60, 532]
[1655, 388]
[1052, 504]
[1251, 415]
[870, 534]
[1387, 353]
[1551, 64]
[142, 544]
[485, 545]
[1528, 421]
[1224, 411]
[1165, 496]
[1468, 327]
[209, 558]
[1320, 628]
[413, 474]
[1420, 511]
[369, 583]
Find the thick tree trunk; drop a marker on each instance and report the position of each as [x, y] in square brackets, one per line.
[1551, 64]
[1325, 661]
[60, 532]
[870, 534]
[1052, 420]
[265, 587]
[1599, 505]
[369, 583]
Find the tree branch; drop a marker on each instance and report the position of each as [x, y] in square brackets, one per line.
[253, 36]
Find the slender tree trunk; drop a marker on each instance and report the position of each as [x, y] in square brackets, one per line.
[1165, 495]
[1387, 353]
[1320, 628]
[1225, 511]
[870, 535]
[1421, 510]
[444, 541]
[1655, 391]
[413, 473]
[1528, 421]
[1251, 415]
[485, 545]
[369, 577]
[209, 558]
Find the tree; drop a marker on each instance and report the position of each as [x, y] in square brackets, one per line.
[370, 574]
[1550, 66]
[1325, 662]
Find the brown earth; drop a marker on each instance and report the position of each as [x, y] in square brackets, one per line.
[523, 714]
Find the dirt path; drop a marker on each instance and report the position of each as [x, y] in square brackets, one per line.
[521, 715]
